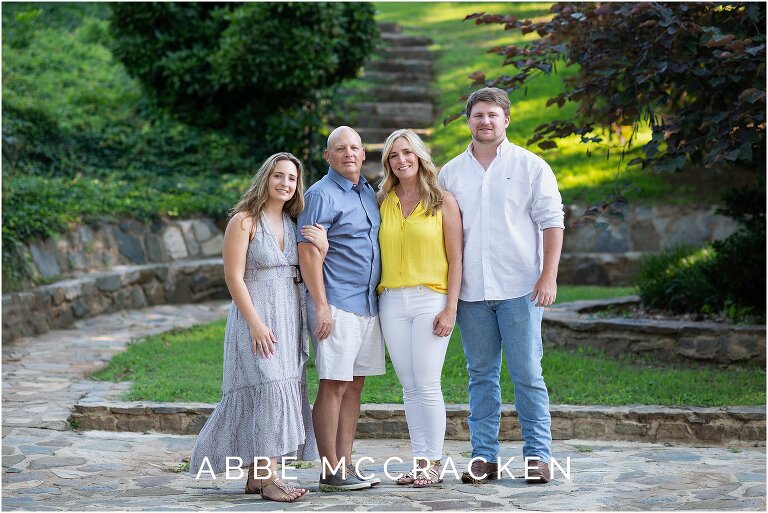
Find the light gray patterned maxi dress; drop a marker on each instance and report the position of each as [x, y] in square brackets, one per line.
[264, 410]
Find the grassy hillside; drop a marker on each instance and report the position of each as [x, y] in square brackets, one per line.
[461, 48]
[83, 143]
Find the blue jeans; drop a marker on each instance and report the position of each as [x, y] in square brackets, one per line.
[514, 326]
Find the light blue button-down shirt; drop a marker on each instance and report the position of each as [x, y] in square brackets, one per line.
[350, 215]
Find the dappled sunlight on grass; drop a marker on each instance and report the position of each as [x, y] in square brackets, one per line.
[461, 49]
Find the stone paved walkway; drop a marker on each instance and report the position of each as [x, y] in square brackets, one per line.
[46, 466]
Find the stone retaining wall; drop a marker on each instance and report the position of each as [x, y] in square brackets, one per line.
[87, 249]
[124, 287]
[696, 426]
[576, 324]
[604, 269]
[647, 229]
[129, 265]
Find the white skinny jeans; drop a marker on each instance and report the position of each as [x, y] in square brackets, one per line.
[417, 355]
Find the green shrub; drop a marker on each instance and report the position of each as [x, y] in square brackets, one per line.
[738, 271]
[725, 278]
[39, 207]
[81, 145]
[258, 70]
[677, 280]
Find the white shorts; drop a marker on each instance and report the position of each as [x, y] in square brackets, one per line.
[354, 348]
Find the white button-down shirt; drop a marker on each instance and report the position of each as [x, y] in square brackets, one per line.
[504, 210]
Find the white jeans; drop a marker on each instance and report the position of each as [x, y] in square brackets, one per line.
[417, 355]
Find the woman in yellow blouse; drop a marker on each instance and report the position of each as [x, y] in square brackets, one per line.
[421, 245]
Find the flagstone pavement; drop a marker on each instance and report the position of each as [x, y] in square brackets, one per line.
[49, 467]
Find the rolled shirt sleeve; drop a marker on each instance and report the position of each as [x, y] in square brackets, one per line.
[547, 203]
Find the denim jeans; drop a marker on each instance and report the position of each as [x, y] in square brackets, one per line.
[514, 326]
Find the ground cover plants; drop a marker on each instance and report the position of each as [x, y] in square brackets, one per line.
[187, 366]
[83, 143]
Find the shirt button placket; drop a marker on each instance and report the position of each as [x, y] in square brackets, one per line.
[485, 216]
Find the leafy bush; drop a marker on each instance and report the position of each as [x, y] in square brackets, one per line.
[70, 108]
[694, 72]
[677, 280]
[80, 144]
[727, 277]
[738, 271]
[258, 70]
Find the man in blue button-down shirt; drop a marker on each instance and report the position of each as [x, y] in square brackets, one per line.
[342, 304]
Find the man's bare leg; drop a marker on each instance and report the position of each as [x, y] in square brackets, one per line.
[348, 417]
[326, 418]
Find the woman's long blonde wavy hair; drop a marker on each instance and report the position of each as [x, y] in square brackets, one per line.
[253, 200]
[431, 195]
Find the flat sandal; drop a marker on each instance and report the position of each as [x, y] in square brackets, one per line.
[406, 479]
[286, 488]
[433, 475]
[248, 480]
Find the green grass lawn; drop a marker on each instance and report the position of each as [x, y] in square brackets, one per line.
[187, 366]
[461, 49]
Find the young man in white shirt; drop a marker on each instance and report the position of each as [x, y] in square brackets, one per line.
[512, 215]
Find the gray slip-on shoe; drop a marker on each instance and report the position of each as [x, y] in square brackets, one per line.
[335, 483]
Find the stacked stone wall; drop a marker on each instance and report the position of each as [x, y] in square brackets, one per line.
[60, 304]
[88, 249]
[685, 425]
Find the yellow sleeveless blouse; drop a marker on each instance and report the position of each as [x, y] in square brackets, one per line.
[412, 248]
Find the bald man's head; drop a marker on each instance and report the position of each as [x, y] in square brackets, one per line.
[342, 130]
[345, 153]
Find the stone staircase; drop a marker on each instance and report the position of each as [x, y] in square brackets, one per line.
[396, 92]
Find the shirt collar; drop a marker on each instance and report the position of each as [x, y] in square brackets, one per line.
[344, 182]
[500, 149]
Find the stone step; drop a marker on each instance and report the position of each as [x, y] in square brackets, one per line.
[379, 135]
[406, 52]
[394, 114]
[681, 425]
[401, 65]
[394, 40]
[393, 108]
[393, 122]
[608, 326]
[396, 93]
[387, 124]
[397, 77]
[373, 172]
[389, 28]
